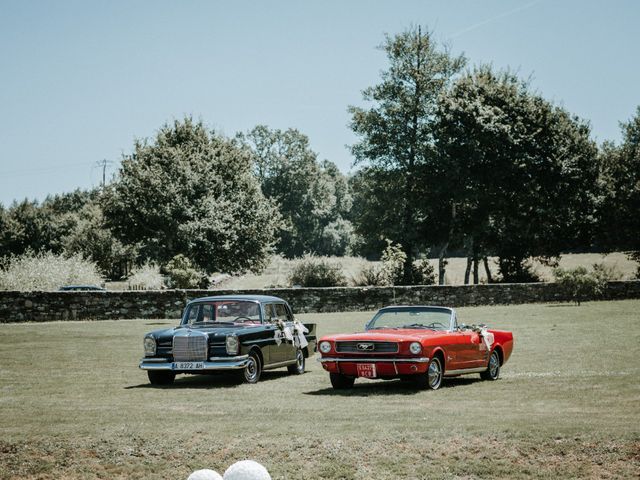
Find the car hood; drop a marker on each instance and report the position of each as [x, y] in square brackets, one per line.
[390, 335]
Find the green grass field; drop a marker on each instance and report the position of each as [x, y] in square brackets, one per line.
[73, 404]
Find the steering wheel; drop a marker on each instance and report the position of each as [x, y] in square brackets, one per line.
[242, 319]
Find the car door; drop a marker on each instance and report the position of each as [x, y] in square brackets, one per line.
[286, 350]
[462, 349]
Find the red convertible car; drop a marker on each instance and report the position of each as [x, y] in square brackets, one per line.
[415, 343]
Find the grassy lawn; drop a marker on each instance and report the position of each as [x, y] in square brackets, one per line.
[73, 404]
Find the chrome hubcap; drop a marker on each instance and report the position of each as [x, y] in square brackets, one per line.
[251, 369]
[493, 365]
[434, 374]
[300, 361]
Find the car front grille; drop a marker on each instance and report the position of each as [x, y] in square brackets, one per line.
[367, 347]
[190, 348]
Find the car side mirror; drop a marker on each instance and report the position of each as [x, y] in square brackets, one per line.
[462, 326]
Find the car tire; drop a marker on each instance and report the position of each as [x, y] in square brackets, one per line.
[298, 367]
[252, 371]
[493, 367]
[341, 382]
[160, 377]
[432, 378]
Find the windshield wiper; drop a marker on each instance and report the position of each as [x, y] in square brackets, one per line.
[417, 325]
[384, 328]
[210, 324]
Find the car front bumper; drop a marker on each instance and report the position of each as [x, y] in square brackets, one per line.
[385, 367]
[213, 364]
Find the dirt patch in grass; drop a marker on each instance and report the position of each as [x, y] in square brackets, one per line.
[315, 457]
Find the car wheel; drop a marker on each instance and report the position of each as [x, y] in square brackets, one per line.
[298, 367]
[341, 382]
[493, 368]
[160, 377]
[432, 379]
[253, 369]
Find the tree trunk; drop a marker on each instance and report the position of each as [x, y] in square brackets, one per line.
[442, 263]
[467, 271]
[487, 270]
[475, 269]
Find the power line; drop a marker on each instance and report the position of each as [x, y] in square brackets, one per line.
[103, 163]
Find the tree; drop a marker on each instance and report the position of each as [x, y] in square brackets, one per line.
[192, 192]
[619, 178]
[312, 196]
[91, 238]
[396, 133]
[39, 227]
[525, 172]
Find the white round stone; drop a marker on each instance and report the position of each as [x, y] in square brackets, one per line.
[205, 474]
[246, 470]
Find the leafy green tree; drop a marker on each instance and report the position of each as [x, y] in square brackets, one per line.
[26, 228]
[193, 192]
[313, 197]
[618, 213]
[182, 274]
[38, 227]
[91, 238]
[525, 172]
[396, 137]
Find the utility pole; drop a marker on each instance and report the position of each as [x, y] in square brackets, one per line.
[103, 163]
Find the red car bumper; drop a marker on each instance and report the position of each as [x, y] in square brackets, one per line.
[382, 367]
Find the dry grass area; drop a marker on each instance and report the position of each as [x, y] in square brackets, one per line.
[74, 405]
[278, 271]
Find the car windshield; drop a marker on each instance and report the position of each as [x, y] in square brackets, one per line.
[222, 312]
[421, 318]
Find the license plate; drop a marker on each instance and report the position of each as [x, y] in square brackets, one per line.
[188, 365]
[367, 370]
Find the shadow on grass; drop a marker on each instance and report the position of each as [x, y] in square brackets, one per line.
[389, 387]
[209, 381]
[555, 305]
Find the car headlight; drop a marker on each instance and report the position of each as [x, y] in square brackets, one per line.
[415, 348]
[232, 345]
[325, 347]
[149, 346]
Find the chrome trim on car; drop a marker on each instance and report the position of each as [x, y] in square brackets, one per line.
[190, 346]
[464, 371]
[377, 359]
[279, 364]
[214, 363]
[375, 346]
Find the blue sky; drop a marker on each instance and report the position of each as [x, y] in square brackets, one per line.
[80, 80]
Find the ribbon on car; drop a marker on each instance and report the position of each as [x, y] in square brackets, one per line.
[485, 335]
[300, 330]
[294, 335]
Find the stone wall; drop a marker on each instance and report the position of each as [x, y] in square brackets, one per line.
[49, 306]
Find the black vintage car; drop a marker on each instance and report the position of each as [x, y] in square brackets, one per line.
[243, 333]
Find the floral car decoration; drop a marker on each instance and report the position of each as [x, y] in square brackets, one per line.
[422, 344]
[242, 333]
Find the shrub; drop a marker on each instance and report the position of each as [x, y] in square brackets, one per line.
[422, 273]
[393, 259]
[182, 274]
[368, 276]
[517, 270]
[579, 283]
[391, 272]
[312, 271]
[146, 277]
[47, 271]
